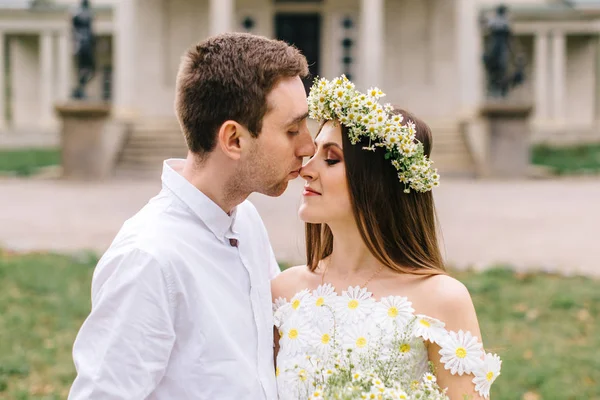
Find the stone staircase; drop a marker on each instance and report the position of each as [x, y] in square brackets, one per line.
[451, 153]
[148, 144]
[152, 141]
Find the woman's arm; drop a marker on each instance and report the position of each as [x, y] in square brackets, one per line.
[455, 308]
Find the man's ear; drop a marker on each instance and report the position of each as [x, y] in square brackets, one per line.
[231, 139]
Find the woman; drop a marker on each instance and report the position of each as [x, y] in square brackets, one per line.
[374, 286]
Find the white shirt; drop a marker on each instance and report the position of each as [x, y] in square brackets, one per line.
[178, 312]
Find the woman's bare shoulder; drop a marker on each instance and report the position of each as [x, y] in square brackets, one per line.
[291, 281]
[448, 299]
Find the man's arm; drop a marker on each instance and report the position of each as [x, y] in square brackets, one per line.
[123, 347]
[274, 269]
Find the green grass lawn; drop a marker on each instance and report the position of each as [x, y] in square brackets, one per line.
[546, 328]
[582, 159]
[25, 162]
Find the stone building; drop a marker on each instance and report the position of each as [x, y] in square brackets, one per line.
[425, 54]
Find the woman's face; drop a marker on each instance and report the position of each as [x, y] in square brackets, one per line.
[326, 197]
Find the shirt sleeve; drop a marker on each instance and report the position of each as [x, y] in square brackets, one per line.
[123, 347]
[274, 269]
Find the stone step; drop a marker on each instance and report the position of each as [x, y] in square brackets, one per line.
[154, 148]
[451, 160]
[157, 134]
[138, 140]
[148, 158]
[153, 141]
[168, 123]
[449, 148]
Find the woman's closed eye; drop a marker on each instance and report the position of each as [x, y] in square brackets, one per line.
[331, 161]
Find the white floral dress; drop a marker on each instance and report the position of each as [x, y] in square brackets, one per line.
[316, 325]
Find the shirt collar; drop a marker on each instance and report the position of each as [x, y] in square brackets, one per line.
[213, 216]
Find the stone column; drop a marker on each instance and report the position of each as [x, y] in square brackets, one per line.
[46, 79]
[125, 36]
[597, 108]
[64, 66]
[2, 83]
[541, 75]
[220, 16]
[472, 125]
[559, 66]
[469, 49]
[25, 86]
[371, 42]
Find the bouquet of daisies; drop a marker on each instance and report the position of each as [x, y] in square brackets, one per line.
[377, 373]
[347, 383]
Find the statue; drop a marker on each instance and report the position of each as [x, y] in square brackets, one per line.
[84, 47]
[505, 69]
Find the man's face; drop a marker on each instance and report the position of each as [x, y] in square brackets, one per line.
[276, 155]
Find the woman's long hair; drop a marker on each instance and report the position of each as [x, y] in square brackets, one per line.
[398, 228]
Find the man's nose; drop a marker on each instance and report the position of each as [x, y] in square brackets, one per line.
[307, 146]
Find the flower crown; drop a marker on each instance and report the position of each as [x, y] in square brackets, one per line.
[365, 117]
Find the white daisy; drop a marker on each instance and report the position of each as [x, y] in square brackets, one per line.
[354, 305]
[323, 298]
[280, 310]
[429, 378]
[280, 301]
[393, 311]
[358, 338]
[295, 335]
[317, 394]
[376, 92]
[461, 353]
[430, 329]
[356, 375]
[299, 300]
[327, 372]
[322, 339]
[409, 348]
[487, 374]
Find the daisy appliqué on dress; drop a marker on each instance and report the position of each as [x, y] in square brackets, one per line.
[315, 323]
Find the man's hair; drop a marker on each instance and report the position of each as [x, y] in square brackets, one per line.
[228, 77]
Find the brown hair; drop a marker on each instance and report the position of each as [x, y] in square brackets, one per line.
[228, 77]
[398, 228]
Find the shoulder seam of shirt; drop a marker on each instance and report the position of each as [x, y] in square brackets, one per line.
[166, 276]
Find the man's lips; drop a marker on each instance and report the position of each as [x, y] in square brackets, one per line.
[295, 173]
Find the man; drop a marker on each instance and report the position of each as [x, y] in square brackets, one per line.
[181, 302]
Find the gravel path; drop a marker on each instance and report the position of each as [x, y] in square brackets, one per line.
[546, 224]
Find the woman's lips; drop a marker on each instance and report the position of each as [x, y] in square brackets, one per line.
[310, 192]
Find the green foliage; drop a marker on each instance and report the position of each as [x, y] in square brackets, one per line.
[25, 162]
[43, 301]
[581, 159]
[546, 328]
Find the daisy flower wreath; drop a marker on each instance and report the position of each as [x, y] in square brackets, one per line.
[366, 118]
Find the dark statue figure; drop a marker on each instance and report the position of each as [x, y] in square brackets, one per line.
[505, 69]
[84, 48]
